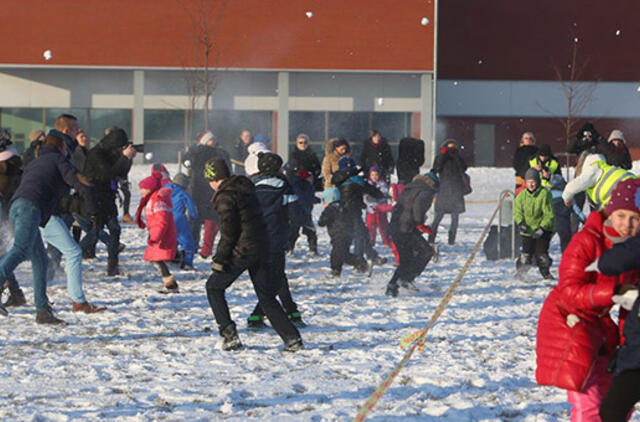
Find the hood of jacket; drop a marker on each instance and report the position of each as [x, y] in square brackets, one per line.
[240, 184]
[114, 140]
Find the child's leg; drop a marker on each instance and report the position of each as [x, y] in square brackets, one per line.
[372, 225]
[437, 218]
[528, 250]
[586, 405]
[383, 226]
[210, 231]
[543, 260]
[162, 266]
[453, 228]
[622, 396]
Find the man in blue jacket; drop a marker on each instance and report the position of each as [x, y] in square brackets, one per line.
[43, 182]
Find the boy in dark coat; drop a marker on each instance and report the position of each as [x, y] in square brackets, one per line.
[450, 168]
[407, 226]
[340, 227]
[109, 160]
[300, 212]
[275, 196]
[243, 237]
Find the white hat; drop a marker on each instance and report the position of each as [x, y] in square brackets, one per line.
[206, 137]
[616, 134]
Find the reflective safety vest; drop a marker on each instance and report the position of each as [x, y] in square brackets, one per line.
[600, 193]
[551, 165]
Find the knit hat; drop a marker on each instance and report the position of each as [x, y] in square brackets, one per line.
[624, 197]
[150, 183]
[330, 195]
[616, 134]
[346, 163]
[181, 179]
[374, 168]
[159, 171]
[35, 134]
[205, 137]
[545, 150]
[532, 174]
[269, 162]
[216, 170]
[261, 138]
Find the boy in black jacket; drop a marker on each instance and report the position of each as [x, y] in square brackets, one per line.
[243, 237]
[407, 226]
[340, 228]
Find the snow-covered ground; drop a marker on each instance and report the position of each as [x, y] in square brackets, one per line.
[158, 357]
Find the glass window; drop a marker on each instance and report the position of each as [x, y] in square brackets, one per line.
[354, 127]
[100, 119]
[163, 151]
[227, 125]
[82, 114]
[19, 122]
[164, 125]
[310, 122]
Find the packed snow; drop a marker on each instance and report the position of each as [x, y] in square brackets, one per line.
[153, 356]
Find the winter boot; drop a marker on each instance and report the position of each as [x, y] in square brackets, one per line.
[87, 308]
[170, 282]
[544, 264]
[452, 238]
[3, 311]
[127, 219]
[313, 243]
[523, 263]
[16, 298]
[231, 339]
[392, 289]
[409, 285]
[256, 322]
[89, 253]
[296, 319]
[293, 345]
[335, 273]
[379, 260]
[47, 317]
[112, 267]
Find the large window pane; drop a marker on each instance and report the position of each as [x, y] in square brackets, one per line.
[164, 125]
[352, 126]
[310, 122]
[19, 122]
[100, 119]
[82, 114]
[227, 125]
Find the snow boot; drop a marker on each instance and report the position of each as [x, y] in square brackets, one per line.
[231, 339]
[170, 283]
[523, 264]
[16, 298]
[112, 268]
[296, 319]
[3, 311]
[293, 345]
[89, 253]
[47, 317]
[87, 308]
[256, 322]
[392, 290]
[409, 285]
[335, 273]
[128, 219]
[544, 265]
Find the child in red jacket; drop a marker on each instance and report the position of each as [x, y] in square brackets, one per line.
[161, 246]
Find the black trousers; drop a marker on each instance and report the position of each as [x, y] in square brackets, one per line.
[340, 254]
[277, 275]
[265, 289]
[308, 229]
[453, 228]
[414, 252]
[162, 266]
[622, 396]
[125, 187]
[536, 250]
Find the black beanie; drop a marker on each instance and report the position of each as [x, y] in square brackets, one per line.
[269, 163]
[216, 170]
[545, 150]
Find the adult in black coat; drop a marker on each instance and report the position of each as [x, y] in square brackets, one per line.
[275, 196]
[196, 158]
[303, 158]
[523, 154]
[377, 152]
[410, 159]
[407, 225]
[109, 160]
[450, 168]
[617, 152]
[586, 138]
[240, 151]
[243, 241]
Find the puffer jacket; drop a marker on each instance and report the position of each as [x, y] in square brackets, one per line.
[535, 209]
[330, 161]
[412, 206]
[163, 236]
[275, 195]
[352, 190]
[566, 355]
[243, 232]
[377, 155]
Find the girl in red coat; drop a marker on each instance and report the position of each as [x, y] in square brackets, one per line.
[161, 246]
[576, 336]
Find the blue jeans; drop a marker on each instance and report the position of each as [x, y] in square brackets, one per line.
[25, 217]
[57, 233]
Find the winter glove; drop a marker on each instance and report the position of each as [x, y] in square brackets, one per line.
[572, 320]
[443, 150]
[593, 267]
[216, 266]
[537, 234]
[425, 229]
[627, 299]
[523, 228]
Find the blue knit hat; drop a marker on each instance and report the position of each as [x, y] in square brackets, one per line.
[346, 163]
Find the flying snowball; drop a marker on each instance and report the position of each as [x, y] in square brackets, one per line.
[575, 39]
[148, 156]
[187, 163]
[424, 21]
[309, 14]
[638, 89]
[47, 55]
[618, 32]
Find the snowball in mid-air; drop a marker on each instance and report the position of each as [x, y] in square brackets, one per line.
[575, 39]
[618, 32]
[638, 89]
[309, 14]
[148, 156]
[47, 55]
[187, 163]
[424, 21]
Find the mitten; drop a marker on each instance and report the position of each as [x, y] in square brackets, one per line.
[216, 266]
[572, 320]
[425, 229]
[627, 299]
[537, 234]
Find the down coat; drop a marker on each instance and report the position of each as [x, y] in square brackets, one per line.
[566, 355]
[163, 236]
[243, 232]
[411, 209]
[450, 168]
[377, 155]
[330, 161]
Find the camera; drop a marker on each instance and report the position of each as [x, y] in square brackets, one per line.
[137, 147]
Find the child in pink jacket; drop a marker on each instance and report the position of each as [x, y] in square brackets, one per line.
[377, 209]
[161, 245]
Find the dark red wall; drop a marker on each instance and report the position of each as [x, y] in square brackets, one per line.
[519, 39]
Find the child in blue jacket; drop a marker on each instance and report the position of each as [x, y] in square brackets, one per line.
[184, 209]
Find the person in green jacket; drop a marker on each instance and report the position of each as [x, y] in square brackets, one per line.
[533, 214]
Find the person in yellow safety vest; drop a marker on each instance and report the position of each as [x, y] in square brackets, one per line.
[545, 163]
[597, 180]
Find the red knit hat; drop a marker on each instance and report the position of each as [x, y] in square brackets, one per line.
[149, 183]
[623, 197]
